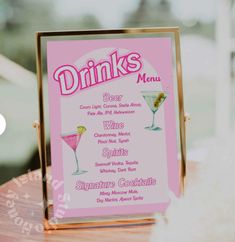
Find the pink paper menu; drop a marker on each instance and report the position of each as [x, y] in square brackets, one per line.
[112, 126]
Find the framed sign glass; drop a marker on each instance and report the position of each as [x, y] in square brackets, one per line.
[111, 111]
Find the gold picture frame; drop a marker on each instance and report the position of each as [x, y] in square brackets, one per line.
[40, 125]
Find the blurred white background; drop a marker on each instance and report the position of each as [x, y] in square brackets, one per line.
[208, 52]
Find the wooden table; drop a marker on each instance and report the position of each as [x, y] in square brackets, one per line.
[21, 217]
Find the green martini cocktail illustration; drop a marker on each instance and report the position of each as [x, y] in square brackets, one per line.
[154, 99]
[72, 140]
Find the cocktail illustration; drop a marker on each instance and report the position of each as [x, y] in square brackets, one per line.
[154, 99]
[72, 140]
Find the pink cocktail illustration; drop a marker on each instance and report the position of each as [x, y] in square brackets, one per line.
[72, 140]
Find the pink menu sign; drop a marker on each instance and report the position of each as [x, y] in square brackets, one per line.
[112, 126]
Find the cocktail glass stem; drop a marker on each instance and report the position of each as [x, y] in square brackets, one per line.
[153, 122]
[75, 154]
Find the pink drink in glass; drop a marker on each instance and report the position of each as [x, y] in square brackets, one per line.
[72, 140]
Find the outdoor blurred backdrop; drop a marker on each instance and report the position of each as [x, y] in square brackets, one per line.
[208, 49]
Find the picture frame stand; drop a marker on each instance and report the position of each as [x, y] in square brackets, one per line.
[51, 222]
